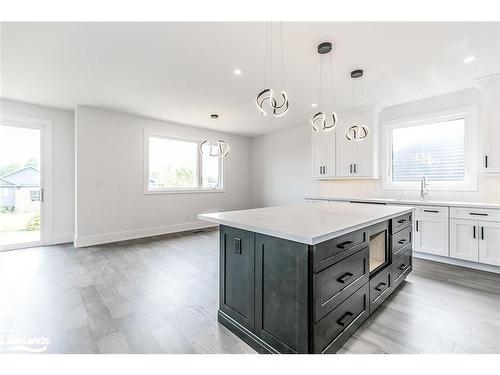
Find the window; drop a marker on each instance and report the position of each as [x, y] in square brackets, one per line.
[176, 165]
[439, 148]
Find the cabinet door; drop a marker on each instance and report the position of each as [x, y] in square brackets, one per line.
[431, 235]
[318, 154]
[492, 137]
[329, 144]
[489, 243]
[464, 243]
[365, 158]
[237, 283]
[344, 148]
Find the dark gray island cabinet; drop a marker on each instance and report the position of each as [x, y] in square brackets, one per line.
[285, 296]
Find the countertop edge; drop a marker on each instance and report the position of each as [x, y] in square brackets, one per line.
[301, 239]
[491, 206]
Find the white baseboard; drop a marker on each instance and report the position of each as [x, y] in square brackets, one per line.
[97, 239]
[61, 238]
[457, 262]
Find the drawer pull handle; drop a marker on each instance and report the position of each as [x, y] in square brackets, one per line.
[342, 279]
[401, 221]
[401, 241]
[477, 214]
[344, 245]
[378, 287]
[403, 267]
[433, 211]
[345, 319]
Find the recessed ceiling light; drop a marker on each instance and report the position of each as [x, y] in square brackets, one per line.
[314, 105]
[469, 59]
[237, 72]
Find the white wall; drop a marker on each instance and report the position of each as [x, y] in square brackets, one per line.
[63, 172]
[286, 177]
[111, 204]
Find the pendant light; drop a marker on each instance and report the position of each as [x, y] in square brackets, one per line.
[267, 96]
[320, 121]
[219, 149]
[357, 132]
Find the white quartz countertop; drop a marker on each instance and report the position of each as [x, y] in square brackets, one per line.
[307, 223]
[408, 202]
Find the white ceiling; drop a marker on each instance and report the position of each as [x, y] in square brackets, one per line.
[183, 72]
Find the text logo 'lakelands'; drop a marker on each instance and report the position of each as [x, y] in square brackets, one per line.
[11, 342]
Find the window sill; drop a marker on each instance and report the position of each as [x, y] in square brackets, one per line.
[183, 191]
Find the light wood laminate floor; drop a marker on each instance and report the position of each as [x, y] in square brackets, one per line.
[159, 295]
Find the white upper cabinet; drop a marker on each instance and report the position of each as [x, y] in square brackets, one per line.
[490, 118]
[323, 154]
[344, 158]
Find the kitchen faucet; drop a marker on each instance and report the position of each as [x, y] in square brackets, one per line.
[423, 187]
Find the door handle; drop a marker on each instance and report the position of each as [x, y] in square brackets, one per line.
[324, 168]
[355, 168]
[486, 161]
[350, 168]
[342, 279]
[345, 318]
[344, 245]
[482, 233]
[378, 287]
[416, 229]
[474, 231]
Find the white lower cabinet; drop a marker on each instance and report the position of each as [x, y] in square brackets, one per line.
[431, 235]
[464, 243]
[489, 243]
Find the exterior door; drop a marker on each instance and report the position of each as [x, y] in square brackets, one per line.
[23, 179]
[489, 243]
[464, 243]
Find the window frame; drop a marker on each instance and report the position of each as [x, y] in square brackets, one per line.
[199, 163]
[469, 114]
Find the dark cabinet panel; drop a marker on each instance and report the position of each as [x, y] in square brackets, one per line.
[281, 293]
[237, 292]
[334, 284]
[380, 288]
[331, 332]
[401, 241]
[330, 252]
[400, 222]
[401, 267]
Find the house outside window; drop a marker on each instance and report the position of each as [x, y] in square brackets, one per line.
[175, 165]
[440, 147]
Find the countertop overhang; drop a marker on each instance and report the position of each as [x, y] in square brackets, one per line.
[307, 223]
[407, 202]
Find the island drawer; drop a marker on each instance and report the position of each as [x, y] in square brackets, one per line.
[331, 332]
[401, 267]
[330, 252]
[400, 222]
[380, 288]
[401, 241]
[334, 284]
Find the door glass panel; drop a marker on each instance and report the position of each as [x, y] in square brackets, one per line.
[19, 185]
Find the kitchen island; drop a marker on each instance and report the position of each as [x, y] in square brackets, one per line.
[302, 278]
